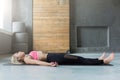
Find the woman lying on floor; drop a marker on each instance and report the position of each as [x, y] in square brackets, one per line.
[53, 59]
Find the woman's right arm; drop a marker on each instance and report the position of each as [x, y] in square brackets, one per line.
[42, 63]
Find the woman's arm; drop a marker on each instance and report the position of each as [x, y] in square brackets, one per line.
[42, 63]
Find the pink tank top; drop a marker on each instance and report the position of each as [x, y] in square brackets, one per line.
[34, 55]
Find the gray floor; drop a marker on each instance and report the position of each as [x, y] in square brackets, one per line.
[32, 72]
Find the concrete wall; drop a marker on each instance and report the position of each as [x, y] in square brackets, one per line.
[91, 16]
[22, 11]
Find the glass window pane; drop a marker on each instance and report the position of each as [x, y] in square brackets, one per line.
[1, 12]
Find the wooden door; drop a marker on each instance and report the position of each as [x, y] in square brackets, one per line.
[51, 25]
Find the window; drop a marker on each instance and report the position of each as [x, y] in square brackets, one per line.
[1, 13]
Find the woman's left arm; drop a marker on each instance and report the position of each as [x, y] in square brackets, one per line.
[42, 63]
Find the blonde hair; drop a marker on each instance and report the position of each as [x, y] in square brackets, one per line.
[14, 60]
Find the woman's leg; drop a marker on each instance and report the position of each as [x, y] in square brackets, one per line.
[66, 59]
[71, 59]
[78, 60]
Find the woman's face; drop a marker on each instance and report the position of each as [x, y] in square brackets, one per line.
[20, 55]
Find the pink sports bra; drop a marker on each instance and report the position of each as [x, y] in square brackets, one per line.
[34, 55]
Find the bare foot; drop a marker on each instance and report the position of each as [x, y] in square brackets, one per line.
[102, 57]
[109, 58]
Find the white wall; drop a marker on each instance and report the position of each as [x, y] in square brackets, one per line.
[5, 42]
[22, 11]
[8, 16]
[18, 10]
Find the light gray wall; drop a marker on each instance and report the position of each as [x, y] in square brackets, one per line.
[22, 11]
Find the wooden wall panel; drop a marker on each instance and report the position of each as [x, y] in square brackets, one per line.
[51, 25]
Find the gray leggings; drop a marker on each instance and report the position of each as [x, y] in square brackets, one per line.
[66, 59]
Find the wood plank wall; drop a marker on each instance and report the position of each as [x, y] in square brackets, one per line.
[51, 25]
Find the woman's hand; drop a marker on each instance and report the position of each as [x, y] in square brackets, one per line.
[53, 64]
